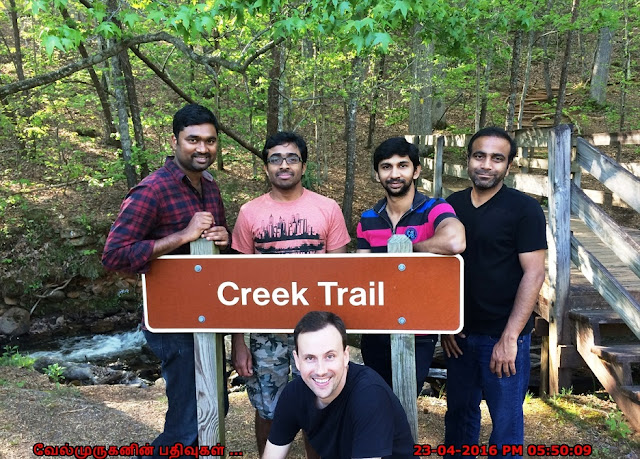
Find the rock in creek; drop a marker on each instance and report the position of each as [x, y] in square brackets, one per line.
[88, 374]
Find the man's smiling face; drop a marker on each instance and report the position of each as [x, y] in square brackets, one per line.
[323, 363]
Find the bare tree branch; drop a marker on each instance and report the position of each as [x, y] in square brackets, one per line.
[167, 80]
[120, 46]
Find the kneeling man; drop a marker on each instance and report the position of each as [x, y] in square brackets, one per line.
[346, 410]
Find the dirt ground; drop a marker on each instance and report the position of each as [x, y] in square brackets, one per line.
[34, 410]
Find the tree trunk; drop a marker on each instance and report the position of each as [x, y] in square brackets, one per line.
[420, 121]
[123, 121]
[134, 110]
[17, 55]
[374, 101]
[108, 129]
[564, 74]
[626, 78]
[546, 60]
[274, 96]
[484, 98]
[601, 64]
[352, 110]
[438, 101]
[527, 77]
[513, 79]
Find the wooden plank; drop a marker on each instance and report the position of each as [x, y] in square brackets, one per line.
[209, 362]
[620, 394]
[618, 297]
[457, 140]
[610, 174]
[437, 170]
[403, 353]
[606, 229]
[532, 138]
[613, 138]
[559, 261]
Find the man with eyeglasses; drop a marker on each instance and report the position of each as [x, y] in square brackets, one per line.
[288, 219]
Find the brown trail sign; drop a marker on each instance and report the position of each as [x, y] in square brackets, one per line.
[208, 295]
[384, 293]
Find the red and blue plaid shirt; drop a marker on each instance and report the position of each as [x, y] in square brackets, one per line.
[161, 204]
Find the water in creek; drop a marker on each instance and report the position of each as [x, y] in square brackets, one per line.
[97, 349]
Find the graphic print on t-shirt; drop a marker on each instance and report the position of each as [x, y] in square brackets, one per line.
[297, 235]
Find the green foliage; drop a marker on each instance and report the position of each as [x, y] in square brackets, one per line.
[11, 357]
[55, 373]
[617, 426]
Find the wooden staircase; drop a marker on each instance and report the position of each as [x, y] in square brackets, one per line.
[612, 353]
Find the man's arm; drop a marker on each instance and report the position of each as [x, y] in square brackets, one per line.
[504, 352]
[342, 249]
[448, 239]
[272, 451]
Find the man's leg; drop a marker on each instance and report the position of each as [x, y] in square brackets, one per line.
[269, 353]
[505, 397]
[263, 427]
[376, 353]
[462, 420]
[175, 350]
[425, 345]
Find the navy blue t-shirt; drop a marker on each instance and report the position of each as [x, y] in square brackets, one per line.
[365, 420]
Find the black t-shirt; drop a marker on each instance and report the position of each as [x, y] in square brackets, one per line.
[509, 224]
[365, 420]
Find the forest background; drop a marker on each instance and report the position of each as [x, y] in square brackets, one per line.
[88, 90]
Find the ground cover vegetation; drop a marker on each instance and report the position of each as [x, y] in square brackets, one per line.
[88, 89]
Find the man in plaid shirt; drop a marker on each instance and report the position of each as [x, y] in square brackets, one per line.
[177, 204]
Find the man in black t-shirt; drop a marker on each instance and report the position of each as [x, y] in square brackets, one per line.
[504, 270]
[346, 410]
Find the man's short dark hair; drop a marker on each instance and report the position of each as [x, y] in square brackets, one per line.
[317, 320]
[494, 131]
[283, 138]
[396, 146]
[191, 115]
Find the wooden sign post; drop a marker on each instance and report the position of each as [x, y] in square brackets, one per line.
[372, 293]
[403, 353]
[208, 349]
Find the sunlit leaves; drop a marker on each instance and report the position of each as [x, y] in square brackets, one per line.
[108, 30]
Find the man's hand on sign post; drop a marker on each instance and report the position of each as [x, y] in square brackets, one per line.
[450, 345]
[200, 222]
[240, 355]
[218, 234]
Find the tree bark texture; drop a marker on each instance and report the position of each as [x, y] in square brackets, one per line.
[123, 121]
[134, 109]
[374, 101]
[564, 74]
[274, 97]
[352, 110]
[17, 55]
[526, 78]
[420, 120]
[514, 77]
[601, 65]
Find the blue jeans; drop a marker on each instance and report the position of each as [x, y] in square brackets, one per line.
[469, 379]
[175, 350]
[376, 353]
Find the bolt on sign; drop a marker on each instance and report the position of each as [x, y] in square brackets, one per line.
[384, 293]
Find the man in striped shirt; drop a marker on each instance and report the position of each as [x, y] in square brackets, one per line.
[431, 225]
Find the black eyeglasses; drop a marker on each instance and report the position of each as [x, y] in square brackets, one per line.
[291, 158]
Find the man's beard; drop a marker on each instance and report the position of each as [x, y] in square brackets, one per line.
[397, 192]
